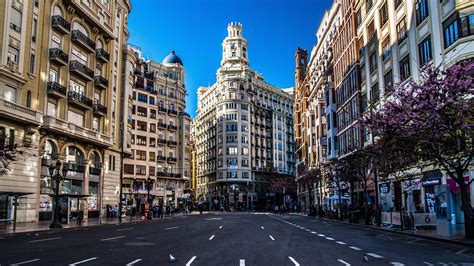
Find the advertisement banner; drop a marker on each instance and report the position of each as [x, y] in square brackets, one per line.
[454, 186]
[386, 218]
[425, 219]
[396, 218]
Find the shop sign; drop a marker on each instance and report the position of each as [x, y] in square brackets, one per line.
[412, 184]
[423, 219]
[385, 187]
[434, 174]
[454, 186]
[431, 182]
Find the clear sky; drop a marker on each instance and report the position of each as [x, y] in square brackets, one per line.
[195, 29]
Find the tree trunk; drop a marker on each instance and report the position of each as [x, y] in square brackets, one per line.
[466, 206]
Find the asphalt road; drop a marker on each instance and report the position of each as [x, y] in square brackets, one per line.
[228, 239]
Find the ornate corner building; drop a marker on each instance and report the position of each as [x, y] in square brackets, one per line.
[243, 132]
[60, 98]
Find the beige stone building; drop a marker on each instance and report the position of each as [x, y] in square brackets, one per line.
[160, 132]
[60, 98]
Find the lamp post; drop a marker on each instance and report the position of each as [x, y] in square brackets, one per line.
[57, 178]
[149, 186]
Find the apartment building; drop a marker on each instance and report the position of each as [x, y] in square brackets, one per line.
[160, 133]
[243, 132]
[60, 85]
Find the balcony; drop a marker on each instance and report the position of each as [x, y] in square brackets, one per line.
[94, 170]
[172, 160]
[184, 114]
[161, 141]
[161, 158]
[57, 56]
[79, 99]
[72, 167]
[73, 131]
[172, 112]
[150, 75]
[81, 70]
[102, 55]
[172, 143]
[61, 25]
[162, 109]
[172, 127]
[55, 89]
[82, 40]
[161, 174]
[99, 109]
[161, 125]
[100, 82]
[19, 113]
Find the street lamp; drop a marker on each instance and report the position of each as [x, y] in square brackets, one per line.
[149, 186]
[57, 178]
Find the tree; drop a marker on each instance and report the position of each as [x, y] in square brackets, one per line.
[337, 179]
[434, 118]
[12, 150]
[312, 177]
[284, 184]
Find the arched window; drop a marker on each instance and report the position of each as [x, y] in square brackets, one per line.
[99, 44]
[28, 99]
[79, 27]
[74, 155]
[95, 160]
[50, 150]
[57, 11]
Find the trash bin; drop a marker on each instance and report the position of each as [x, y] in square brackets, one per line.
[355, 217]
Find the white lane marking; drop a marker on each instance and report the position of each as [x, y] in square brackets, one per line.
[210, 238]
[307, 230]
[329, 238]
[213, 219]
[271, 237]
[83, 261]
[312, 232]
[321, 235]
[46, 239]
[112, 238]
[171, 228]
[340, 242]
[220, 227]
[124, 229]
[462, 250]
[397, 263]
[427, 263]
[262, 227]
[375, 255]
[242, 262]
[191, 261]
[302, 228]
[343, 262]
[25, 262]
[355, 248]
[133, 262]
[294, 261]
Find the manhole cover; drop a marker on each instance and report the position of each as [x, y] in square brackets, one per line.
[139, 244]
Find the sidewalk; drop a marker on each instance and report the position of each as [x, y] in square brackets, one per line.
[431, 234]
[7, 229]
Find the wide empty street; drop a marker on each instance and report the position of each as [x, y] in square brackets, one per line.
[228, 239]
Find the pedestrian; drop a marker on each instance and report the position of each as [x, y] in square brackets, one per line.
[276, 209]
[200, 208]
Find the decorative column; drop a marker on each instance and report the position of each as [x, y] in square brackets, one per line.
[100, 192]
[85, 191]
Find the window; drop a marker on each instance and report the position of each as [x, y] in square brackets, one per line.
[456, 27]
[401, 31]
[15, 22]
[388, 82]
[232, 151]
[142, 98]
[405, 68]
[386, 48]
[424, 50]
[13, 55]
[244, 128]
[371, 30]
[245, 151]
[140, 155]
[383, 14]
[35, 29]
[368, 5]
[373, 62]
[76, 87]
[245, 139]
[375, 93]
[51, 109]
[10, 94]
[32, 64]
[53, 75]
[363, 104]
[245, 163]
[244, 117]
[244, 106]
[398, 3]
[28, 99]
[152, 100]
[75, 118]
[421, 11]
[95, 124]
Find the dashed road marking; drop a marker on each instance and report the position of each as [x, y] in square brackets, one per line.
[355, 248]
[271, 237]
[329, 238]
[191, 261]
[462, 250]
[294, 261]
[397, 263]
[171, 228]
[375, 255]
[312, 232]
[46, 239]
[124, 229]
[83, 261]
[242, 262]
[340, 242]
[262, 227]
[112, 238]
[321, 235]
[220, 227]
[427, 263]
[25, 262]
[343, 262]
[133, 262]
[210, 238]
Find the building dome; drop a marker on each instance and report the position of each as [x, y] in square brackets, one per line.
[172, 59]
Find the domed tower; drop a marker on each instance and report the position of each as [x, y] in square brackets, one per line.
[174, 63]
[234, 46]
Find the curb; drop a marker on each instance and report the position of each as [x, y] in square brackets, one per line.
[449, 241]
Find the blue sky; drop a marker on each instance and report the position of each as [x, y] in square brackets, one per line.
[195, 30]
